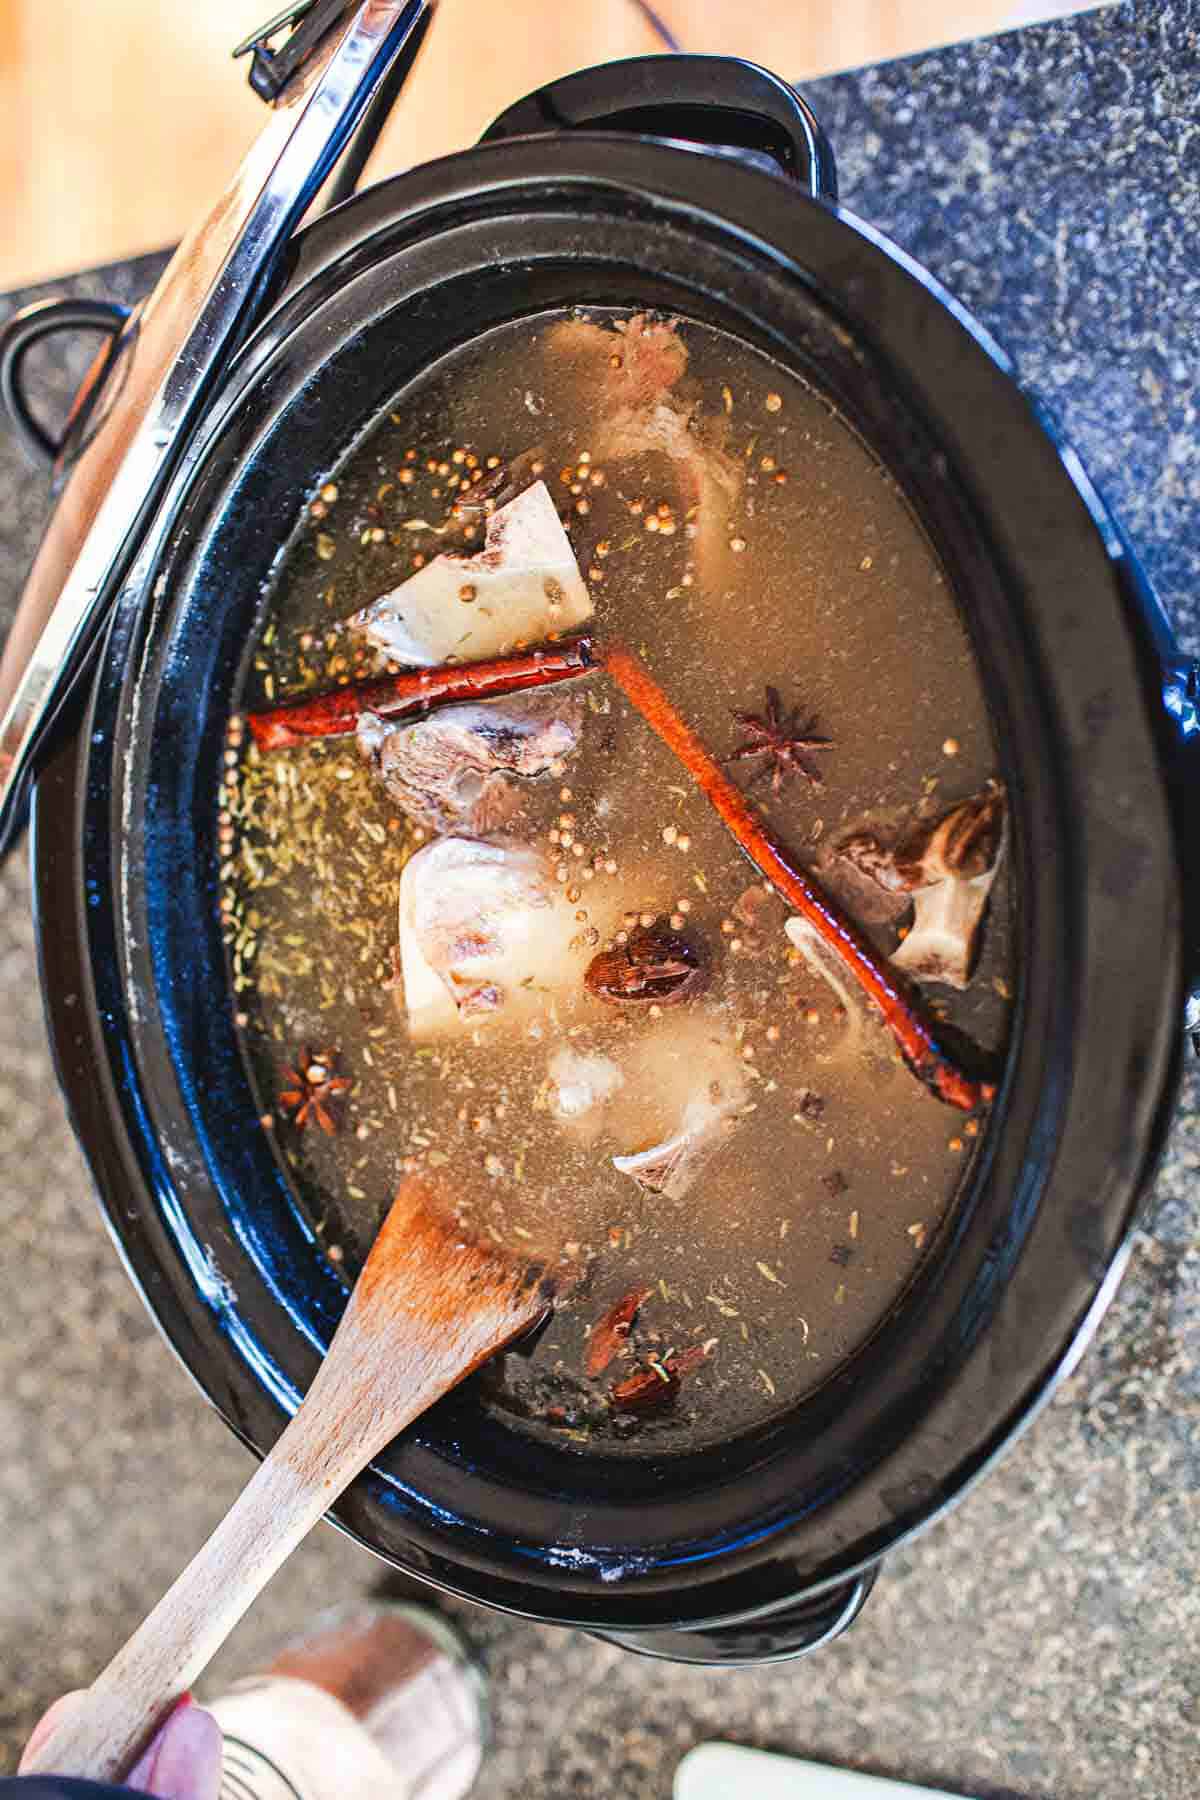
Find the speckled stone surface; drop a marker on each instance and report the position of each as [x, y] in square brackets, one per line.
[1043, 1641]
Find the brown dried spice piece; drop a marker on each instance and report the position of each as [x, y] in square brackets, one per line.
[655, 964]
[609, 1333]
[656, 1384]
[786, 744]
[645, 1390]
[312, 1085]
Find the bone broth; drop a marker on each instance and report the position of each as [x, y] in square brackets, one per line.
[508, 941]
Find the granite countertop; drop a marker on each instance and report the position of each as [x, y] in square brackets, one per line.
[1041, 1641]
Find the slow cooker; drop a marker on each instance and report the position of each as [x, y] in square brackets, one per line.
[703, 187]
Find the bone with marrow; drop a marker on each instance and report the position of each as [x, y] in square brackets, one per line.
[523, 587]
[460, 769]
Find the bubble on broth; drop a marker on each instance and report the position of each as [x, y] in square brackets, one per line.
[619, 1055]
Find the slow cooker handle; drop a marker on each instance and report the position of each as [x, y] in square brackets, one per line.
[716, 101]
[25, 329]
[780, 1634]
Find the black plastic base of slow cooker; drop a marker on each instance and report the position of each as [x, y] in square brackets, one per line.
[748, 1553]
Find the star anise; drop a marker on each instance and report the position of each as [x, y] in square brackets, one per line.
[312, 1086]
[785, 743]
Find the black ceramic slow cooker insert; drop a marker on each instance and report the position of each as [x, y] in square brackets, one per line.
[701, 187]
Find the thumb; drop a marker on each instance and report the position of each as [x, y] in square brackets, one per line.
[182, 1762]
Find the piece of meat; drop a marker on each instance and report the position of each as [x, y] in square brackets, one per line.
[451, 771]
[709, 481]
[626, 380]
[631, 364]
[485, 933]
[500, 486]
[523, 587]
[859, 873]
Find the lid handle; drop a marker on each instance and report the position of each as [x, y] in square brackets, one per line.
[718, 102]
[309, 22]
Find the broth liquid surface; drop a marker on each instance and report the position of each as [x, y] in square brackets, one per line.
[833, 1177]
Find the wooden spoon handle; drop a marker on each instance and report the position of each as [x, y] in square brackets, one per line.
[429, 1307]
[109, 1726]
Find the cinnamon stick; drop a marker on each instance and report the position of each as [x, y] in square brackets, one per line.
[900, 1012]
[336, 714]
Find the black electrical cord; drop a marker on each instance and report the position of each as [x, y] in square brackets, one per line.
[658, 25]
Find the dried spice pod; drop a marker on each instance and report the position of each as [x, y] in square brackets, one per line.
[612, 1331]
[655, 1384]
[654, 965]
[780, 744]
[312, 1087]
[650, 1387]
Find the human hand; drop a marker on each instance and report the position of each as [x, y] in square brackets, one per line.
[182, 1761]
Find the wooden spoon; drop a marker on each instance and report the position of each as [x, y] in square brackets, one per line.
[429, 1306]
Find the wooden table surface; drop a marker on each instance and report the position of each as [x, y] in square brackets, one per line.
[120, 119]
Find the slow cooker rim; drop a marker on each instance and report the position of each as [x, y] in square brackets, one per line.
[980, 338]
